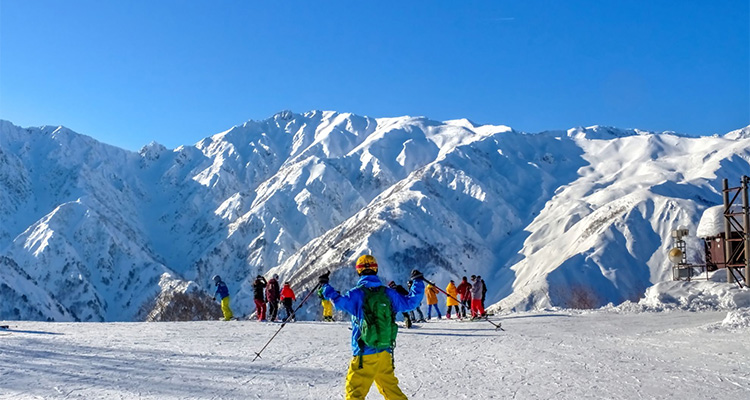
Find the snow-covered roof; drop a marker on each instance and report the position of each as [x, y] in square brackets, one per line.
[712, 221]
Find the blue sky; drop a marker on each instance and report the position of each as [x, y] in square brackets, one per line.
[130, 72]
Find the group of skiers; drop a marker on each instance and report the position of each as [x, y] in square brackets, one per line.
[466, 295]
[267, 295]
[263, 292]
[269, 292]
[372, 306]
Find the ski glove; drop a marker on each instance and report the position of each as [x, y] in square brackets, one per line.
[323, 279]
[416, 275]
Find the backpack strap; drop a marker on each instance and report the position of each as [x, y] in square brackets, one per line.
[360, 342]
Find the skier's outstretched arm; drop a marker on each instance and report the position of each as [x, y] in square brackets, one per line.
[351, 301]
[403, 303]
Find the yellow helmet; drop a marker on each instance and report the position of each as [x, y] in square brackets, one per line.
[367, 263]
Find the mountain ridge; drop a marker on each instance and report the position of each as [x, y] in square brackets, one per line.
[296, 194]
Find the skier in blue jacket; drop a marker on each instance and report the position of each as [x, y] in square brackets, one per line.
[223, 292]
[370, 364]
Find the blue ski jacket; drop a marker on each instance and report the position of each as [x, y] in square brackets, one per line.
[353, 301]
[222, 290]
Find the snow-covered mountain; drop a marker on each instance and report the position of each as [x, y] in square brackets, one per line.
[576, 218]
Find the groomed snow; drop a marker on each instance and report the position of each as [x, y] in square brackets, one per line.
[606, 354]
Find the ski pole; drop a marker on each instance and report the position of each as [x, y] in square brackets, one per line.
[257, 354]
[496, 325]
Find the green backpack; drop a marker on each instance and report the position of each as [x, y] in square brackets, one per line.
[378, 326]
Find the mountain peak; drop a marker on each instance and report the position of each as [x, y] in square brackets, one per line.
[284, 115]
[743, 133]
[602, 132]
[464, 122]
[152, 151]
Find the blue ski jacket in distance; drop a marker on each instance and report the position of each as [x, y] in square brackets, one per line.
[222, 290]
[353, 301]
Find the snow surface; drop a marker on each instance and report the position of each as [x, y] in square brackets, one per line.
[704, 293]
[609, 354]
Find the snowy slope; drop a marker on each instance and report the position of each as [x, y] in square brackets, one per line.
[568, 218]
[541, 355]
[603, 234]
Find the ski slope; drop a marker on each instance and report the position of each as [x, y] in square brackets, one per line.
[604, 354]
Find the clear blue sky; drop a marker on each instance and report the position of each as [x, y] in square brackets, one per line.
[129, 72]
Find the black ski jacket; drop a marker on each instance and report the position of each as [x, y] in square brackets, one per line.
[272, 291]
[258, 287]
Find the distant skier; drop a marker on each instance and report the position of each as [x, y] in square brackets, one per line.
[464, 290]
[418, 309]
[223, 292]
[287, 297]
[477, 311]
[402, 291]
[431, 293]
[260, 297]
[273, 293]
[374, 329]
[327, 307]
[452, 300]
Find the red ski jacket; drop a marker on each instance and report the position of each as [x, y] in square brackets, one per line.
[287, 293]
[464, 289]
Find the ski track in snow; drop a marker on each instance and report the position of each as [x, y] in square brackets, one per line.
[553, 355]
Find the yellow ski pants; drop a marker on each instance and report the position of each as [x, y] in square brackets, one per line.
[225, 309]
[327, 308]
[375, 367]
